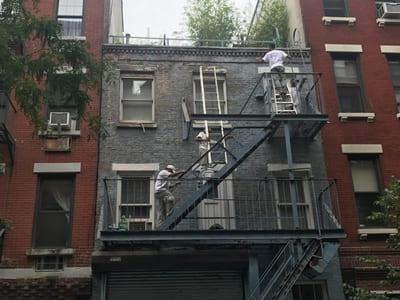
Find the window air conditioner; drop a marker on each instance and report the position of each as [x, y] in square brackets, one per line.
[62, 119]
[389, 11]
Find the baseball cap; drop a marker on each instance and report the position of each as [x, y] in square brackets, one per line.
[171, 167]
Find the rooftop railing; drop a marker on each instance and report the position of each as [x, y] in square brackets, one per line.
[235, 204]
[182, 42]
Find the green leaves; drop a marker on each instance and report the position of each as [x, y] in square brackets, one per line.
[273, 18]
[212, 20]
[49, 70]
[388, 214]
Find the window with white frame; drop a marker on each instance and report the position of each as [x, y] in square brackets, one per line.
[366, 186]
[394, 67]
[135, 198]
[309, 291]
[335, 8]
[348, 83]
[284, 202]
[70, 16]
[214, 96]
[137, 99]
[54, 207]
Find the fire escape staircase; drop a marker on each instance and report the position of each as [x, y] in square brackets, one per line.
[291, 261]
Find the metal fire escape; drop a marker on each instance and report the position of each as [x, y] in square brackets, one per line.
[297, 256]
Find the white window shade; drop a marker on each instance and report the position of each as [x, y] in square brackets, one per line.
[364, 176]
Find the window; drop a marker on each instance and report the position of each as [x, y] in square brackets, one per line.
[70, 16]
[284, 203]
[49, 263]
[53, 219]
[348, 84]
[309, 291]
[210, 95]
[137, 100]
[136, 200]
[335, 8]
[394, 67]
[366, 186]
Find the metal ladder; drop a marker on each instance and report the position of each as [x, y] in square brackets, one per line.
[210, 95]
[282, 102]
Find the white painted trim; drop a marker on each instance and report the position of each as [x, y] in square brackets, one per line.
[24, 273]
[382, 21]
[343, 48]
[362, 148]
[344, 116]
[57, 167]
[45, 252]
[265, 69]
[136, 167]
[332, 20]
[285, 167]
[390, 49]
[364, 232]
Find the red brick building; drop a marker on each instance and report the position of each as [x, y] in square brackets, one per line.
[48, 185]
[355, 45]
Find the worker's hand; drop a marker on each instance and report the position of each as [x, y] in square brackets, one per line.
[259, 59]
[174, 184]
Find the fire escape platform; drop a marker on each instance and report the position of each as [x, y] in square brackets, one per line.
[218, 237]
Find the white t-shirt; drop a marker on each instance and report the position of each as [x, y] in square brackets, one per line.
[162, 181]
[203, 144]
[274, 58]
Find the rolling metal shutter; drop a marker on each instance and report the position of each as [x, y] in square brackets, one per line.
[175, 285]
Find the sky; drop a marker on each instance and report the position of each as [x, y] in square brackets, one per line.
[154, 18]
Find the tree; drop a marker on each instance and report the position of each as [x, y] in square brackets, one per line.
[40, 68]
[273, 19]
[212, 20]
[389, 214]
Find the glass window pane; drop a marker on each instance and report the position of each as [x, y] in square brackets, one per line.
[70, 27]
[135, 190]
[345, 71]
[210, 96]
[365, 207]
[334, 8]
[70, 7]
[52, 230]
[137, 89]
[350, 99]
[137, 111]
[363, 172]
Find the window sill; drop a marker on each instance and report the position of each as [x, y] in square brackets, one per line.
[343, 117]
[212, 124]
[73, 38]
[136, 125]
[383, 21]
[364, 232]
[57, 134]
[50, 252]
[339, 20]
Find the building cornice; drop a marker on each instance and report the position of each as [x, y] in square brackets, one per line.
[197, 51]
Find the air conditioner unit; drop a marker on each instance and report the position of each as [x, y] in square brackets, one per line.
[389, 11]
[62, 119]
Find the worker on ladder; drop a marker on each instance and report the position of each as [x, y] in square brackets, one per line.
[275, 58]
[203, 140]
